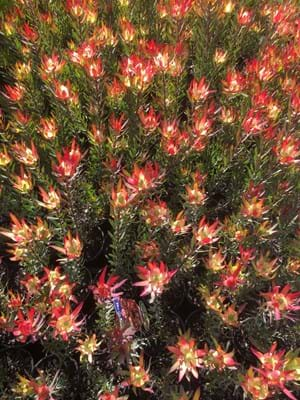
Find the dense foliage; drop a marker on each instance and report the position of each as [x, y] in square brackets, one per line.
[150, 187]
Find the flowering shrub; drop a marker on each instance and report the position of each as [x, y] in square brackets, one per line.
[150, 187]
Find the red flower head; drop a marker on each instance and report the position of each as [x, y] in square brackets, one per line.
[206, 234]
[120, 196]
[64, 92]
[27, 325]
[149, 120]
[139, 377]
[177, 9]
[155, 213]
[144, 178]
[20, 231]
[114, 395]
[94, 68]
[265, 268]
[281, 302]
[137, 72]
[127, 30]
[26, 155]
[117, 124]
[77, 7]
[231, 279]
[52, 64]
[244, 16]
[186, 356]
[255, 122]
[154, 278]
[256, 385]
[72, 246]
[29, 33]
[287, 150]
[14, 93]
[23, 182]
[48, 128]
[234, 82]
[115, 89]
[103, 291]
[64, 321]
[273, 369]
[67, 162]
[199, 90]
[202, 125]
[219, 359]
[32, 284]
[51, 198]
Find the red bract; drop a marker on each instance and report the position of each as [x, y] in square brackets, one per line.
[117, 124]
[51, 64]
[255, 384]
[174, 145]
[5, 158]
[67, 162]
[287, 150]
[175, 8]
[137, 73]
[27, 155]
[97, 134]
[139, 376]
[103, 291]
[281, 302]
[20, 231]
[206, 234]
[22, 118]
[169, 129]
[48, 128]
[295, 103]
[253, 208]
[64, 321]
[87, 51]
[144, 178]
[29, 33]
[196, 194]
[127, 30]
[114, 395]
[156, 213]
[266, 268]
[155, 276]
[202, 124]
[72, 246]
[23, 182]
[14, 301]
[167, 58]
[76, 7]
[120, 196]
[199, 90]
[273, 369]
[115, 89]
[149, 119]
[51, 198]
[63, 91]
[32, 284]
[244, 16]
[234, 82]
[255, 122]
[231, 279]
[186, 356]
[94, 68]
[14, 93]
[219, 359]
[27, 325]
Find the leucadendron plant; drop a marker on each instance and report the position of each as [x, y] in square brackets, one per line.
[149, 194]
